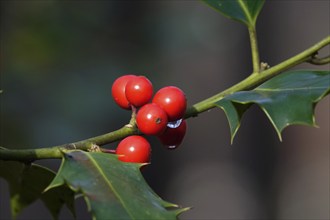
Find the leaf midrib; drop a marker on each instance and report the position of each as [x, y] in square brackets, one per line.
[246, 12]
[110, 185]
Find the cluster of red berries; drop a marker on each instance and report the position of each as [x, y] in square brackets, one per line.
[162, 117]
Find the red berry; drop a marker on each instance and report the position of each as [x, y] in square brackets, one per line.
[151, 119]
[134, 149]
[118, 91]
[139, 91]
[173, 137]
[173, 101]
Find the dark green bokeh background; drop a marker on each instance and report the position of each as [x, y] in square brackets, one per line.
[59, 59]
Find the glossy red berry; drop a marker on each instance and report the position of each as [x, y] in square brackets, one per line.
[139, 91]
[134, 149]
[151, 119]
[173, 137]
[173, 101]
[118, 91]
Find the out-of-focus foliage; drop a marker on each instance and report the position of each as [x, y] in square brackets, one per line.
[27, 184]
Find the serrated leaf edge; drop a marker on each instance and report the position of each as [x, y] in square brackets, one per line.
[278, 131]
[79, 190]
[164, 203]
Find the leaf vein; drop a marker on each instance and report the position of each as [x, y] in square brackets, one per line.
[246, 11]
[110, 185]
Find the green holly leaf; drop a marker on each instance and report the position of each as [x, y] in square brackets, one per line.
[111, 188]
[287, 99]
[245, 11]
[27, 183]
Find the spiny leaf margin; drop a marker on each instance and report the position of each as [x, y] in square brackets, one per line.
[287, 99]
[112, 189]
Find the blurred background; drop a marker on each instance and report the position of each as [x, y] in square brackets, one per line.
[58, 62]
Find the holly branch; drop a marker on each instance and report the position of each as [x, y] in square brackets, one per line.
[94, 143]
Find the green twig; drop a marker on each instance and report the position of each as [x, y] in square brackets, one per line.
[254, 49]
[256, 79]
[253, 80]
[29, 155]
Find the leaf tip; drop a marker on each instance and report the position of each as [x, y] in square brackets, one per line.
[234, 132]
[180, 211]
[278, 132]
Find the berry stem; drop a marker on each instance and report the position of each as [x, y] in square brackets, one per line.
[109, 151]
[132, 122]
